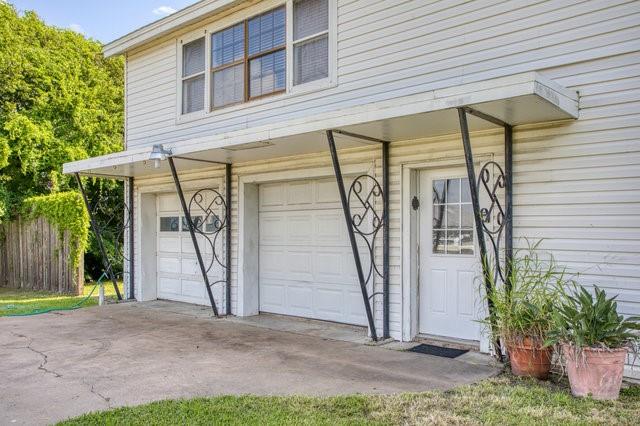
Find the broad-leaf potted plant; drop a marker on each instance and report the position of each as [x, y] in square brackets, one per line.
[523, 312]
[595, 341]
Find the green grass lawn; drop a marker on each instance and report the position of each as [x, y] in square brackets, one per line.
[15, 302]
[501, 400]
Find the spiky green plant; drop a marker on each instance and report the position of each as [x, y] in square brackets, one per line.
[525, 310]
[586, 320]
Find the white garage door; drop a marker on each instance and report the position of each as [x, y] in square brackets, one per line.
[179, 277]
[306, 263]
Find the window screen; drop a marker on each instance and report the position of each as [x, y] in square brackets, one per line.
[193, 94]
[311, 40]
[310, 17]
[193, 64]
[452, 217]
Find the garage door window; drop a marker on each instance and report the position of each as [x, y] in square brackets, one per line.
[197, 222]
[169, 224]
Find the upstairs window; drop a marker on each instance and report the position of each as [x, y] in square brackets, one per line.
[310, 40]
[263, 55]
[193, 64]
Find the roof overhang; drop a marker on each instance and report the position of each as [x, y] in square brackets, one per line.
[157, 29]
[519, 99]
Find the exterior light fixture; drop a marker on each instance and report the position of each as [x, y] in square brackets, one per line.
[158, 153]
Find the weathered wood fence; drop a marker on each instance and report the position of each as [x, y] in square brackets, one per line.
[33, 257]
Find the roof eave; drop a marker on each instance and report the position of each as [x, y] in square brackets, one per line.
[166, 25]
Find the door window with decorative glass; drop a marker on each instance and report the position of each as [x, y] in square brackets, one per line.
[193, 71]
[452, 226]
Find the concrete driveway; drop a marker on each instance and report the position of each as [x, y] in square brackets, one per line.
[60, 365]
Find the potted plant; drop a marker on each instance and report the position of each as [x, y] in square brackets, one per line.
[594, 341]
[523, 311]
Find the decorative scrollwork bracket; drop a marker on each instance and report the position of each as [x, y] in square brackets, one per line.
[364, 194]
[492, 182]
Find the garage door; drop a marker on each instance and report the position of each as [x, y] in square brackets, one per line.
[178, 273]
[306, 263]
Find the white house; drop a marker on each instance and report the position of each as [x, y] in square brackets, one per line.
[240, 95]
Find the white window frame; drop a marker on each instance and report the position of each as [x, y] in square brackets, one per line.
[188, 38]
[332, 31]
[234, 18]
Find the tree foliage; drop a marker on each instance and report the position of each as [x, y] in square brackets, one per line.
[60, 101]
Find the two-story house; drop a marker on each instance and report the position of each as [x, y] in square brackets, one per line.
[264, 108]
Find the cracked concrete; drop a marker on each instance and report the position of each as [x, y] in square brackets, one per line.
[58, 366]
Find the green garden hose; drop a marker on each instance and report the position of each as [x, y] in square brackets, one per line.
[69, 308]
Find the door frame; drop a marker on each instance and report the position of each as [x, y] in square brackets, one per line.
[410, 239]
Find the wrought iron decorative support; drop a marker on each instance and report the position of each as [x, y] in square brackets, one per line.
[364, 220]
[106, 263]
[496, 219]
[207, 201]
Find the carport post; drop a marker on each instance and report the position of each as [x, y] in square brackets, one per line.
[352, 236]
[106, 264]
[131, 241]
[192, 232]
[508, 195]
[228, 236]
[385, 240]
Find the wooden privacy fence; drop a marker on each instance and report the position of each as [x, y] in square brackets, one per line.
[33, 257]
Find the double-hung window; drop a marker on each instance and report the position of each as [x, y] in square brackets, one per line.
[262, 55]
[310, 40]
[193, 64]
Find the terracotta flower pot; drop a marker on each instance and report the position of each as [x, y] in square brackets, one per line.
[529, 359]
[595, 372]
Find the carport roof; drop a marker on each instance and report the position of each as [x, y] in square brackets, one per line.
[518, 99]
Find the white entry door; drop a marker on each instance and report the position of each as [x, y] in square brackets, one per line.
[306, 262]
[449, 264]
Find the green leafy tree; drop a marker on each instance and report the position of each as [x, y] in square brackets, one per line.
[60, 101]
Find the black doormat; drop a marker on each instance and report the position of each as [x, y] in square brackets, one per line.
[438, 351]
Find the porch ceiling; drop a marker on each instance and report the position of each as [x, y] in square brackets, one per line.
[518, 99]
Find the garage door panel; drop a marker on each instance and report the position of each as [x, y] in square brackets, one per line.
[330, 301]
[168, 265]
[299, 296]
[299, 193]
[168, 203]
[272, 296]
[190, 266]
[272, 229]
[271, 195]
[299, 228]
[169, 244]
[193, 289]
[169, 285]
